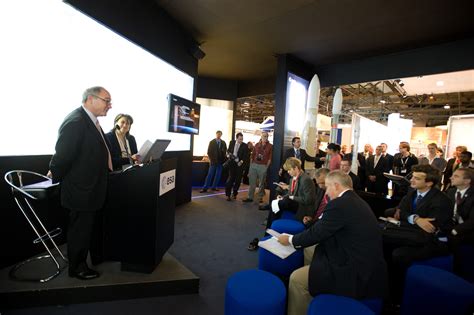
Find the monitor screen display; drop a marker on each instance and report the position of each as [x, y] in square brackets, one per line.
[184, 115]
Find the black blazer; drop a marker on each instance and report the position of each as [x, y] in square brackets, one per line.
[465, 211]
[303, 156]
[80, 163]
[216, 155]
[304, 195]
[355, 181]
[381, 182]
[116, 152]
[435, 204]
[448, 172]
[389, 158]
[243, 153]
[317, 159]
[349, 258]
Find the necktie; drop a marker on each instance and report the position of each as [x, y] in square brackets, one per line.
[458, 198]
[298, 154]
[321, 207]
[293, 185]
[219, 144]
[418, 200]
[105, 143]
[456, 217]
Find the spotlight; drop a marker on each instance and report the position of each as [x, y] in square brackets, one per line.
[447, 106]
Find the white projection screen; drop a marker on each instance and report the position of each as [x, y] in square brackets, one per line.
[51, 53]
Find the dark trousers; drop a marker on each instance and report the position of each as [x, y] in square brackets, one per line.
[399, 258]
[285, 204]
[233, 181]
[83, 236]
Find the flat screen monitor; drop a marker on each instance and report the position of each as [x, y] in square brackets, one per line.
[184, 115]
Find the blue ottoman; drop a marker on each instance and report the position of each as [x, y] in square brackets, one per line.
[288, 215]
[335, 304]
[435, 291]
[442, 262]
[287, 226]
[254, 292]
[274, 264]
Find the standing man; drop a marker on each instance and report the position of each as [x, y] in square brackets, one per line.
[319, 156]
[81, 164]
[348, 260]
[237, 154]
[452, 165]
[433, 159]
[259, 162]
[376, 166]
[387, 155]
[216, 152]
[297, 152]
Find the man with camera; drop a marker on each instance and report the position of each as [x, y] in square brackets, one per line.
[236, 154]
[261, 159]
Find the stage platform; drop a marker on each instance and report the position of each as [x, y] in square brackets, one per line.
[169, 278]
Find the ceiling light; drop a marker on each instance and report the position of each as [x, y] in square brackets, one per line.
[439, 83]
[402, 115]
[383, 101]
[447, 106]
[351, 110]
[432, 97]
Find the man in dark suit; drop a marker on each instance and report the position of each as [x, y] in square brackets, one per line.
[216, 151]
[428, 211]
[349, 258]
[81, 164]
[387, 155]
[346, 165]
[237, 153]
[297, 152]
[462, 197]
[452, 165]
[320, 155]
[376, 166]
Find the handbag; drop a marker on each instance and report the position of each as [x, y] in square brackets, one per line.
[405, 234]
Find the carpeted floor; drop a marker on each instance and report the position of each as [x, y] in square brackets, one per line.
[211, 238]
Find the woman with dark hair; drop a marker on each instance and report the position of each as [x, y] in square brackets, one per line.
[123, 147]
[334, 161]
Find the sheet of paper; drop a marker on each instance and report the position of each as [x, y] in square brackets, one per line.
[276, 248]
[275, 207]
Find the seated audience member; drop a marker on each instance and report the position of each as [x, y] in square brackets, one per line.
[452, 165]
[299, 197]
[433, 159]
[333, 157]
[321, 199]
[376, 166]
[348, 260]
[346, 169]
[462, 196]
[427, 213]
[123, 147]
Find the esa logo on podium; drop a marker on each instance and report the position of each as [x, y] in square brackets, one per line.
[167, 181]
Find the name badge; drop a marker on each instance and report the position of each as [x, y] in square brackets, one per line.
[403, 171]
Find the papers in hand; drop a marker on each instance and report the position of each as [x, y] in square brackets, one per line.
[391, 220]
[274, 247]
[275, 207]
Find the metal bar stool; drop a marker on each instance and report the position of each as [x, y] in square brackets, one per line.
[40, 189]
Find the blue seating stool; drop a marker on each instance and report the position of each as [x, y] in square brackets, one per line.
[288, 215]
[254, 292]
[335, 304]
[442, 262]
[467, 261]
[274, 264]
[434, 291]
[287, 226]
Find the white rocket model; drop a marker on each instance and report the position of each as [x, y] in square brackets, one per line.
[310, 131]
[336, 111]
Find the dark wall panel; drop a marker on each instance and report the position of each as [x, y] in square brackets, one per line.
[216, 89]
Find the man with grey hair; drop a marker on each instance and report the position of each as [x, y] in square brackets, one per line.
[81, 164]
[348, 260]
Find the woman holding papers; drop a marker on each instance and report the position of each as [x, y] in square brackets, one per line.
[123, 147]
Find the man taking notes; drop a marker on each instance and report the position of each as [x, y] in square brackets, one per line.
[348, 260]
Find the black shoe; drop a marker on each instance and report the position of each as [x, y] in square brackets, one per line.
[228, 198]
[234, 196]
[247, 200]
[84, 275]
[215, 189]
[253, 246]
[203, 190]
[264, 208]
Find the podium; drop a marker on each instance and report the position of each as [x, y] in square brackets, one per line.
[138, 221]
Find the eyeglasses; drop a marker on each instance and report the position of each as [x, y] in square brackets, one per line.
[108, 102]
